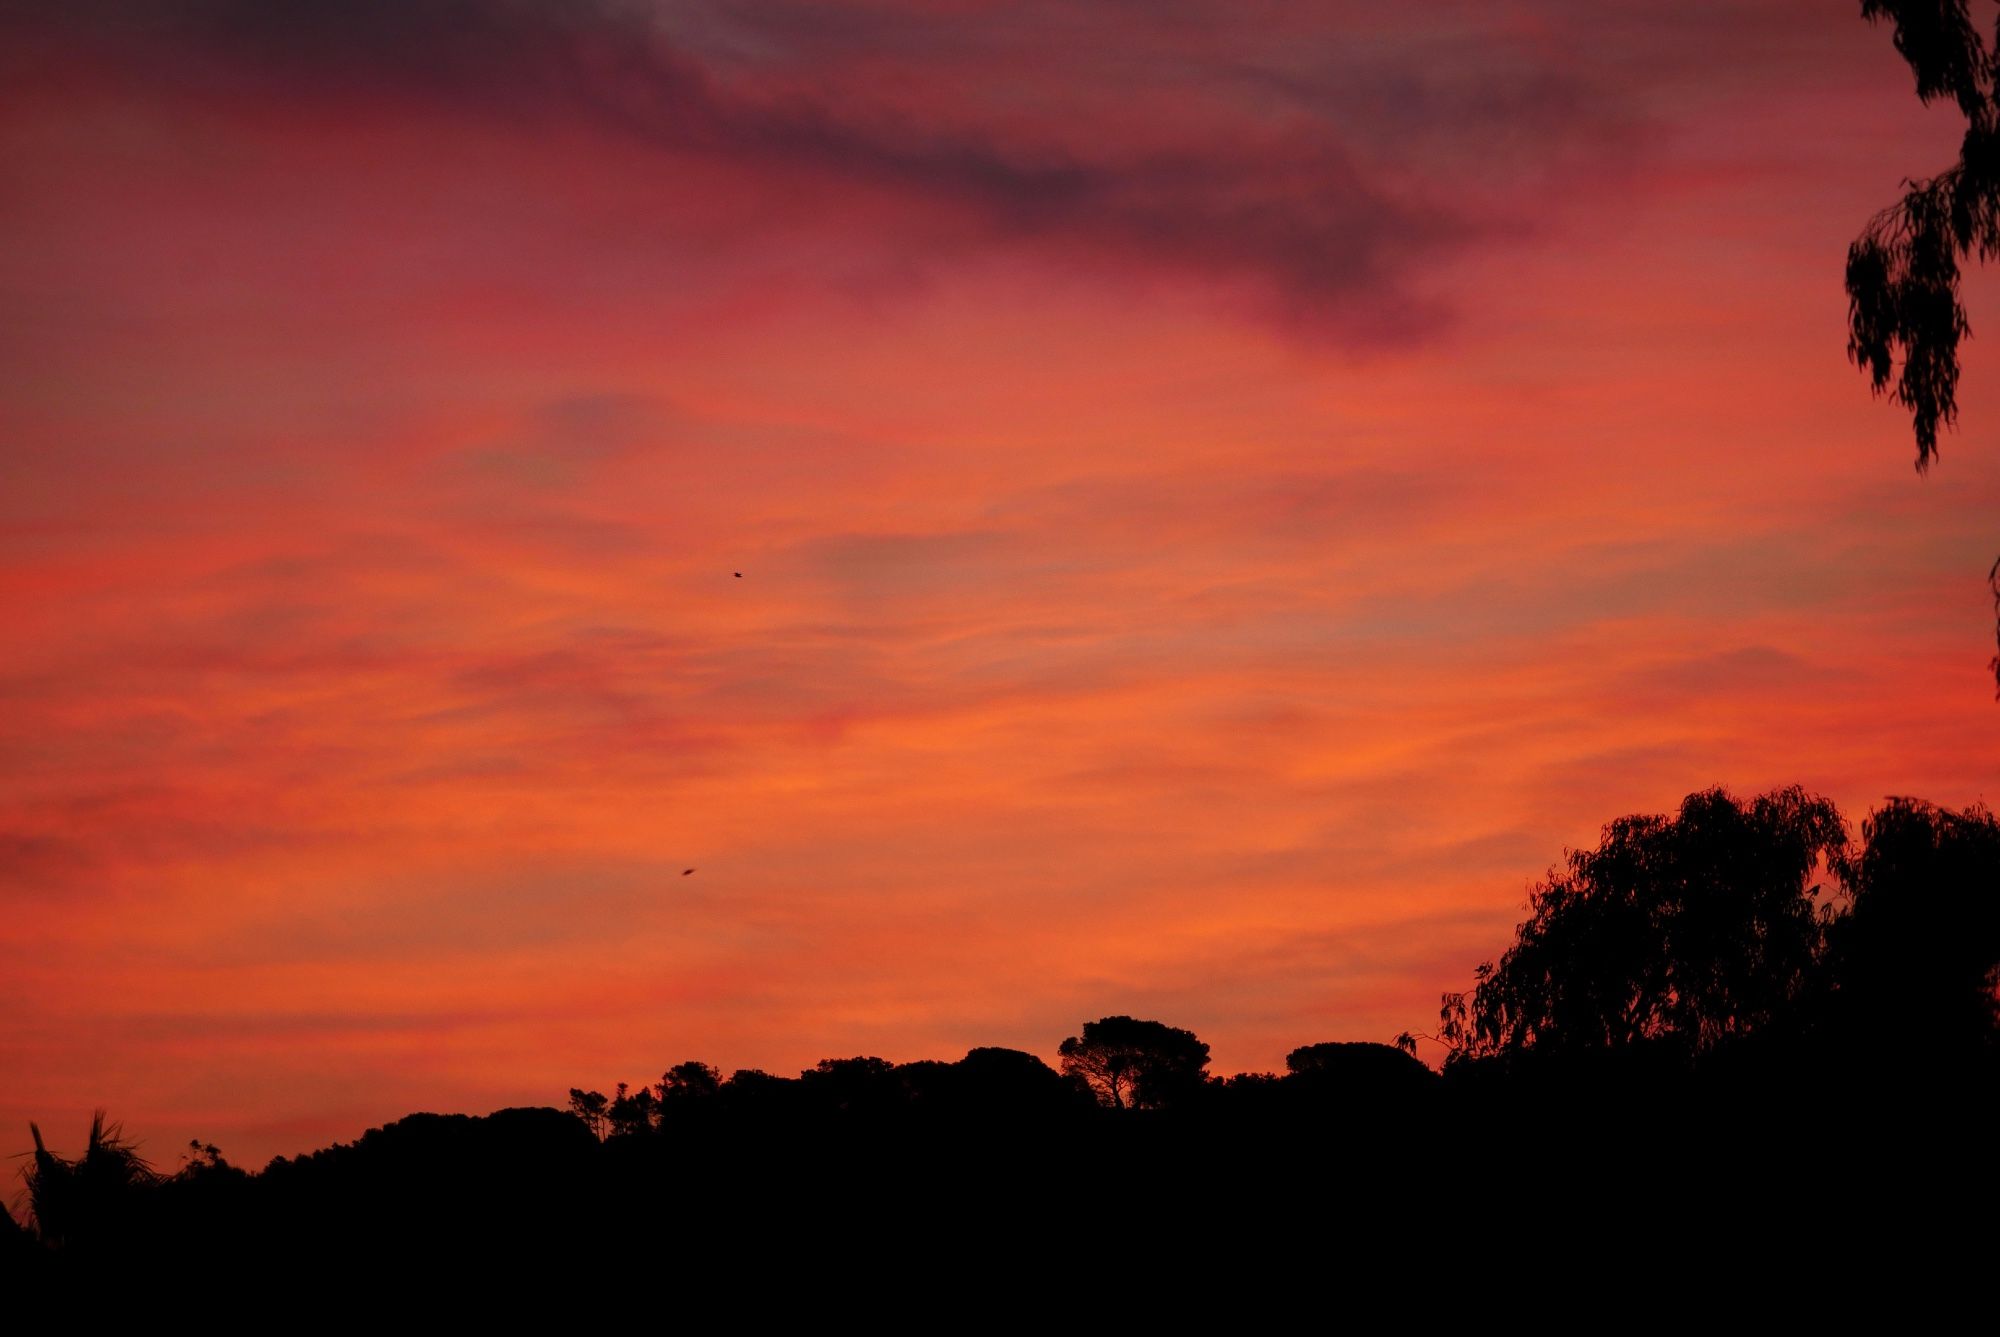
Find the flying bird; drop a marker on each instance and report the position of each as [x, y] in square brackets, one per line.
[737, 574]
[686, 871]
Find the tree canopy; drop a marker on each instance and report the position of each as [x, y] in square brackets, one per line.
[1916, 961]
[1682, 930]
[1903, 270]
[1133, 1064]
[1905, 317]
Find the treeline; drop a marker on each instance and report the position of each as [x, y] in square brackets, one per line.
[1756, 927]
[1733, 1013]
[1752, 942]
[1117, 1064]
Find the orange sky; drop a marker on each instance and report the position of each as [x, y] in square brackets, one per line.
[1225, 495]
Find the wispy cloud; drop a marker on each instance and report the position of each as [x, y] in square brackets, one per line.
[1317, 165]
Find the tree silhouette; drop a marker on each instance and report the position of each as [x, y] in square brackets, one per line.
[88, 1201]
[1011, 1083]
[1357, 1070]
[632, 1112]
[688, 1081]
[200, 1159]
[593, 1108]
[1916, 961]
[1132, 1064]
[1684, 930]
[1903, 270]
[861, 1085]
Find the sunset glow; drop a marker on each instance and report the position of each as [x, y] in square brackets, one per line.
[1224, 494]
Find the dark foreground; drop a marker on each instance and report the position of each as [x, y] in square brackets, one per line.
[1618, 1197]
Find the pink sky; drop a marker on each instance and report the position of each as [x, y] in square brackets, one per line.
[1225, 494]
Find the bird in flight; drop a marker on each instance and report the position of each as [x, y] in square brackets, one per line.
[686, 871]
[737, 574]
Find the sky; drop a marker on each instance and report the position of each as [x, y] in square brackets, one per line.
[1225, 494]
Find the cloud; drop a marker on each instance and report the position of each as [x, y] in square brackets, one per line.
[1744, 668]
[1318, 174]
[564, 439]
